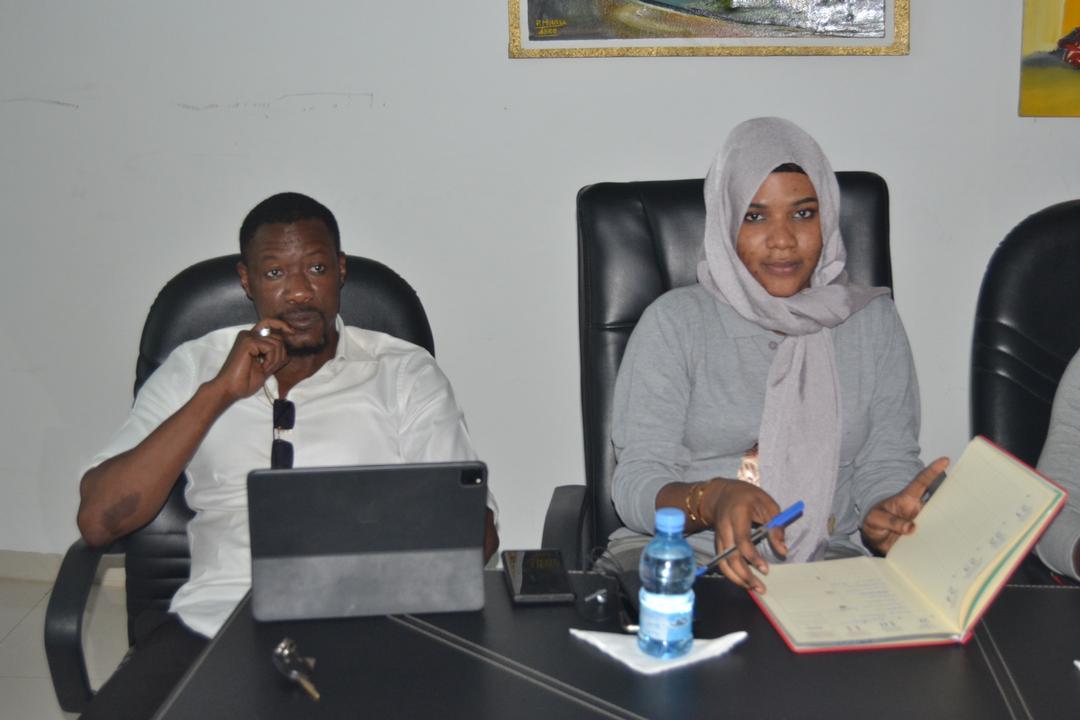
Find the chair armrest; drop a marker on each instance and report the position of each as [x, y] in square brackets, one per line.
[563, 525]
[63, 626]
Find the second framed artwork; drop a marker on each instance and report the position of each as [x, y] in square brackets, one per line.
[1050, 68]
[650, 28]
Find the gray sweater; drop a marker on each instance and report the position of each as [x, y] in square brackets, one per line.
[689, 398]
[1060, 461]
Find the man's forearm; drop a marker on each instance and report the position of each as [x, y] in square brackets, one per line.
[126, 491]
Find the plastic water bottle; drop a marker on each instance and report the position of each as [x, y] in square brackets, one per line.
[667, 597]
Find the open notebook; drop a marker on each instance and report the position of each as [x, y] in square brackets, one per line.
[936, 583]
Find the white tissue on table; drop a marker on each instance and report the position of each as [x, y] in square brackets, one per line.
[624, 648]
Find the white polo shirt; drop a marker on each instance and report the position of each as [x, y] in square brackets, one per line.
[379, 400]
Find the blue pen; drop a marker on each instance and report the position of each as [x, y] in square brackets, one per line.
[758, 535]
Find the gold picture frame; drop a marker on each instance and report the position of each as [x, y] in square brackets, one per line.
[658, 28]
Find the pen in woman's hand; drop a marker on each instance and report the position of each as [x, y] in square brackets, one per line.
[758, 535]
[933, 488]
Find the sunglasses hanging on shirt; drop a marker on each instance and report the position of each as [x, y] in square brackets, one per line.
[281, 452]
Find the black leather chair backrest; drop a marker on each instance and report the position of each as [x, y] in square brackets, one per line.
[204, 297]
[1026, 329]
[638, 240]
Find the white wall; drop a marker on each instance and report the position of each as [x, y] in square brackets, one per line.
[134, 136]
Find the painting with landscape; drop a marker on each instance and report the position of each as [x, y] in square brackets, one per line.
[1050, 66]
[591, 28]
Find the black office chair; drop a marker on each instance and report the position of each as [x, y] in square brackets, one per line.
[1026, 331]
[204, 297]
[636, 241]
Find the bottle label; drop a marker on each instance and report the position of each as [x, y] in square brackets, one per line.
[667, 618]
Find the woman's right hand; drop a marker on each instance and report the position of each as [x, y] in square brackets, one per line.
[730, 507]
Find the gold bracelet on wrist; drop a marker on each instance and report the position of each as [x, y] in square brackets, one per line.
[693, 501]
[700, 497]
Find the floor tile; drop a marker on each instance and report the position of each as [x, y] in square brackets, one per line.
[29, 699]
[17, 599]
[104, 632]
[22, 652]
[26, 691]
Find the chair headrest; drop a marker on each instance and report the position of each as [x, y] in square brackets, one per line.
[208, 296]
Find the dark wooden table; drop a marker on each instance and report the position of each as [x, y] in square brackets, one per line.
[521, 662]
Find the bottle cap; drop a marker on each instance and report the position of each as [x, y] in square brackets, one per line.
[670, 520]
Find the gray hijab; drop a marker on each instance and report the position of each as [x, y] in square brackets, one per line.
[799, 440]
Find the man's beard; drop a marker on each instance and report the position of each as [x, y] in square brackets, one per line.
[306, 350]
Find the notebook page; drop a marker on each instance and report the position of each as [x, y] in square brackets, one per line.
[852, 601]
[989, 502]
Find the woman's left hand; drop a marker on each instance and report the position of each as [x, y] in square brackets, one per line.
[892, 517]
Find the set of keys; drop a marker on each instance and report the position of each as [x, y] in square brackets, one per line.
[294, 666]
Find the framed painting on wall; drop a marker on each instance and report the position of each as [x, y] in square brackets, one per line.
[1050, 66]
[651, 28]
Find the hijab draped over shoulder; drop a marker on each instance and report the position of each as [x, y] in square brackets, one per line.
[799, 440]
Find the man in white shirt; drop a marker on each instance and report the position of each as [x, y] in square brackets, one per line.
[298, 388]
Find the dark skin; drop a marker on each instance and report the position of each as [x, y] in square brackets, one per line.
[294, 275]
[780, 243]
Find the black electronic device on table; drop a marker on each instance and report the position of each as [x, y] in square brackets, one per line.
[536, 576]
[367, 540]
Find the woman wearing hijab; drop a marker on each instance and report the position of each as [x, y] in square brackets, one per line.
[771, 381]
